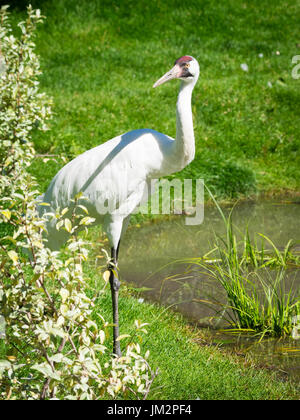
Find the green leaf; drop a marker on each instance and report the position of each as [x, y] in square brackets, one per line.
[83, 208]
[86, 220]
[6, 213]
[57, 358]
[46, 371]
[59, 224]
[64, 293]
[122, 336]
[13, 256]
[64, 211]
[68, 225]
[64, 309]
[4, 364]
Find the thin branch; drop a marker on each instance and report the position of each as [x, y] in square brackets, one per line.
[153, 376]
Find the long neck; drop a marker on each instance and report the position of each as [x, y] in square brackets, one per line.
[185, 141]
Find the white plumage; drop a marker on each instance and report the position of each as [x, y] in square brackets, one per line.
[118, 173]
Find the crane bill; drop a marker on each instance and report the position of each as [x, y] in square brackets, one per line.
[174, 73]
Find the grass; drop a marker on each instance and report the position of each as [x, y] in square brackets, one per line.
[189, 370]
[100, 59]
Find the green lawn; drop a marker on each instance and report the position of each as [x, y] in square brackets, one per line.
[188, 370]
[100, 59]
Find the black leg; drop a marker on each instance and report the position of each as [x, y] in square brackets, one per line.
[115, 285]
[118, 249]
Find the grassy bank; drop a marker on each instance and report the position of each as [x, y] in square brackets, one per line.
[100, 59]
[189, 367]
[190, 371]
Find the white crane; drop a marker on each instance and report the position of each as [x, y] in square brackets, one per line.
[120, 172]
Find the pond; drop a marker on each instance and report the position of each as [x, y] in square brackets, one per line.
[153, 255]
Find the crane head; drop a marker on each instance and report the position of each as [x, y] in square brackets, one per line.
[185, 68]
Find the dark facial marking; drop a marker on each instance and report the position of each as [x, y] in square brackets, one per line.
[185, 72]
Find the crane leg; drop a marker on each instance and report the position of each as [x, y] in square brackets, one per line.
[114, 286]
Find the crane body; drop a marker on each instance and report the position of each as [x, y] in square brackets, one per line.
[117, 172]
[115, 177]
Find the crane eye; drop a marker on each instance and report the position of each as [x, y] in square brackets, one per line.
[187, 65]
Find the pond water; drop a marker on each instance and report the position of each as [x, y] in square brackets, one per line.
[155, 257]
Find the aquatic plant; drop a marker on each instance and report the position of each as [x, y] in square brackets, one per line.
[256, 301]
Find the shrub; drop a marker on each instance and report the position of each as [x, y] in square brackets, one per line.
[54, 348]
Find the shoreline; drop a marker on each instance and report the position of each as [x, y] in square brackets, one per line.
[283, 196]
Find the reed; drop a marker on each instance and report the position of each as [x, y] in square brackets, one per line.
[254, 279]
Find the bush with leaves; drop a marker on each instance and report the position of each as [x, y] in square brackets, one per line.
[54, 348]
